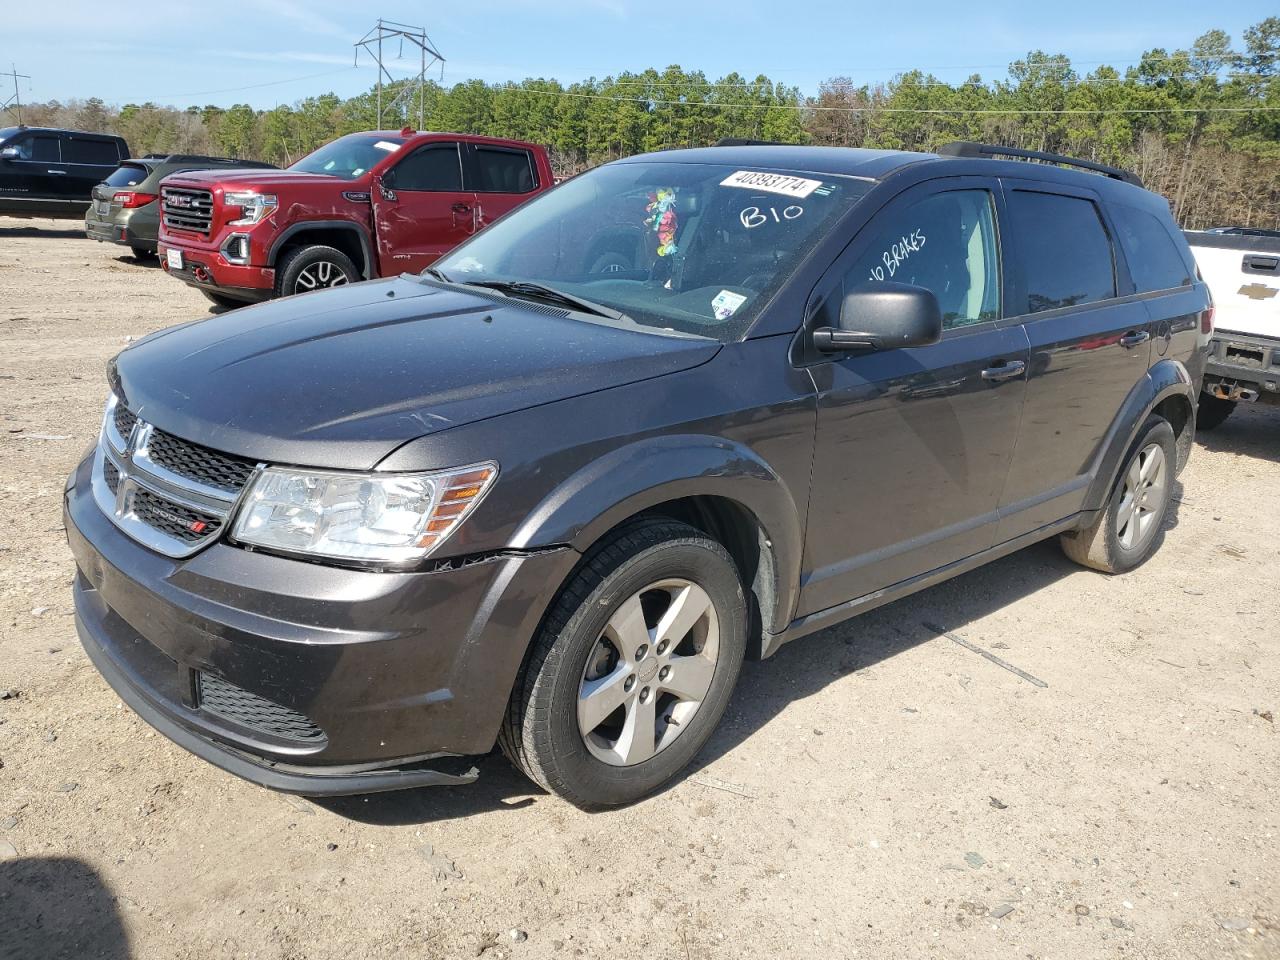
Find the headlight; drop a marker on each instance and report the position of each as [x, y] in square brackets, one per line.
[385, 518]
[253, 206]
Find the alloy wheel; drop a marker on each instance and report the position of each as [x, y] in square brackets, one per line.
[319, 276]
[1143, 497]
[649, 672]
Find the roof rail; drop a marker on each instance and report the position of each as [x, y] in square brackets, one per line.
[748, 142]
[965, 148]
[199, 158]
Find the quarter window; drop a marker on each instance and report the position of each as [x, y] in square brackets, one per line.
[435, 168]
[1154, 260]
[1066, 254]
[945, 243]
[503, 170]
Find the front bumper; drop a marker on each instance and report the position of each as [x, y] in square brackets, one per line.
[392, 670]
[1243, 366]
[204, 266]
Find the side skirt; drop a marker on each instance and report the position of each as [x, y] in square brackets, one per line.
[832, 615]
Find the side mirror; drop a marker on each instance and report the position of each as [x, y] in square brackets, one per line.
[385, 184]
[9, 153]
[880, 315]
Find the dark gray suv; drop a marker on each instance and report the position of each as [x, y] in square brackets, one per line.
[334, 542]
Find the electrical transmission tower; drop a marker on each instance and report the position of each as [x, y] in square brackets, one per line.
[17, 93]
[429, 56]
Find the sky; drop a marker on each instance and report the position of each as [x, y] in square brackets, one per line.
[268, 52]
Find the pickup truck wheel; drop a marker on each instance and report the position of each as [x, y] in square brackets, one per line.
[227, 303]
[317, 267]
[1128, 529]
[632, 668]
[1213, 410]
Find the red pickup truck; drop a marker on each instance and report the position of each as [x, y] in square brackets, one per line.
[366, 205]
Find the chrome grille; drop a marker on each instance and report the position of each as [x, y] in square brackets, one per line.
[186, 208]
[170, 495]
[226, 700]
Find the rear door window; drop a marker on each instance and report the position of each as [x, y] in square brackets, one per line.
[503, 170]
[92, 152]
[1066, 254]
[128, 175]
[1154, 261]
[945, 243]
[433, 168]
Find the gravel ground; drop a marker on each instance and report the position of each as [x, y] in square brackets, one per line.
[876, 790]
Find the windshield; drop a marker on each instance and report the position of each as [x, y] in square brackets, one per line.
[693, 247]
[349, 157]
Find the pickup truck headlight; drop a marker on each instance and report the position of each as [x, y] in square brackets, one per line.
[253, 205]
[370, 517]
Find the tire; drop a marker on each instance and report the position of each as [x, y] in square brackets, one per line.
[543, 734]
[142, 253]
[320, 265]
[1112, 543]
[227, 303]
[1212, 411]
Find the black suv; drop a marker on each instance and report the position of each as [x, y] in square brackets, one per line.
[51, 173]
[330, 542]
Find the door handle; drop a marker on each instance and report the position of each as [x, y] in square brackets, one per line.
[57, 173]
[1135, 338]
[1003, 371]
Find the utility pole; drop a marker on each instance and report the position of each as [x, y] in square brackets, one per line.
[17, 93]
[428, 56]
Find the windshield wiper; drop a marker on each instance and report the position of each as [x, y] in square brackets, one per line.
[541, 292]
[440, 275]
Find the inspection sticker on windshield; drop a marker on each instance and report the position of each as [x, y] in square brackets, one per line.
[782, 183]
[726, 303]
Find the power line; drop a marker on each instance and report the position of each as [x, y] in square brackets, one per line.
[259, 86]
[17, 92]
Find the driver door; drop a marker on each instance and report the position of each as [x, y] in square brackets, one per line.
[914, 445]
[420, 211]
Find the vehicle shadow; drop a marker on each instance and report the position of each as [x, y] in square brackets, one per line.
[58, 908]
[796, 672]
[45, 233]
[1252, 430]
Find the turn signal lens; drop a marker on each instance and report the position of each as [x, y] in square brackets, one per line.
[129, 199]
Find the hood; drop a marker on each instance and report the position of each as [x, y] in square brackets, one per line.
[340, 378]
[253, 177]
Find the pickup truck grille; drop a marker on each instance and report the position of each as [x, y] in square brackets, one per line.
[186, 208]
[167, 493]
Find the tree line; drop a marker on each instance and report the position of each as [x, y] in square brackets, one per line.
[1200, 125]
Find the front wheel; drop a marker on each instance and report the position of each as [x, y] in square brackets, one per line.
[226, 303]
[317, 267]
[632, 669]
[1128, 529]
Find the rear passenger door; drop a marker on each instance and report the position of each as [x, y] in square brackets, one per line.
[501, 177]
[913, 445]
[1090, 346]
[88, 161]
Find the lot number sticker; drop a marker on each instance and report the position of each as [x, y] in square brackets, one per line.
[781, 183]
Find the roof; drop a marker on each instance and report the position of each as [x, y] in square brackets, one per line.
[9, 131]
[878, 164]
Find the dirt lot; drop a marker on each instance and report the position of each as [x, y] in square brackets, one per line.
[877, 790]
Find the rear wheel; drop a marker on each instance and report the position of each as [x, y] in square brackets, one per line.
[142, 253]
[1128, 529]
[317, 267]
[633, 668]
[1213, 410]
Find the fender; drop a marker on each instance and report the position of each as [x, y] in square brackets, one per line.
[656, 470]
[1165, 379]
[366, 243]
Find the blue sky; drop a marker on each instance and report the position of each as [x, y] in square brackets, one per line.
[278, 51]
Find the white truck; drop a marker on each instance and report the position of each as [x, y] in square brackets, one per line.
[1242, 268]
